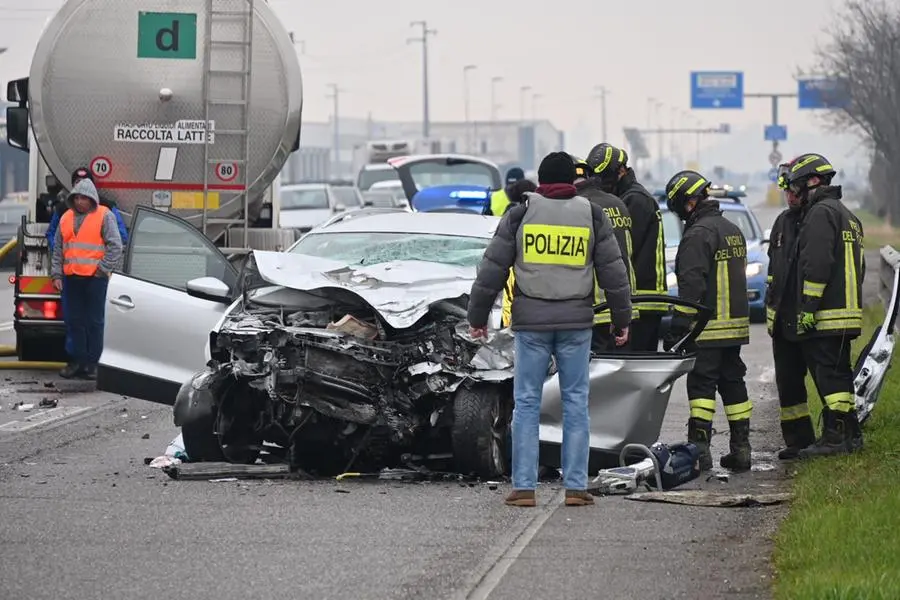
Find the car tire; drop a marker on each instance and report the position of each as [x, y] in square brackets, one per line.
[479, 432]
[201, 444]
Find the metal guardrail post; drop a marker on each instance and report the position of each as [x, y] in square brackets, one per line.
[889, 263]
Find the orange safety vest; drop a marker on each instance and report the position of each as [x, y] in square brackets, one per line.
[83, 251]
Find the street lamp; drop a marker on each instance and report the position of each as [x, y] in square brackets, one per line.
[534, 99]
[466, 70]
[601, 93]
[522, 91]
[494, 81]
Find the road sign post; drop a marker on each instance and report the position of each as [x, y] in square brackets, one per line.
[775, 158]
[717, 89]
[101, 167]
[773, 174]
[775, 133]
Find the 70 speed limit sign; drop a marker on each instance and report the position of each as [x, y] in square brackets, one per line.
[227, 171]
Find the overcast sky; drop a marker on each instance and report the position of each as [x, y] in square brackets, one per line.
[638, 49]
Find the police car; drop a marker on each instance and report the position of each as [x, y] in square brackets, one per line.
[740, 214]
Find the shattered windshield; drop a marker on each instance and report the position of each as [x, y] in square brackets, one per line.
[372, 248]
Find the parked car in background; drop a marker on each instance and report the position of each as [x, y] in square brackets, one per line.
[757, 251]
[447, 182]
[11, 213]
[305, 205]
[385, 198]
[375, 173]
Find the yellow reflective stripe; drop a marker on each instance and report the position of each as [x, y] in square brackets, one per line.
[696, 186]
[770, 278]
[734, 333]
[851, 297]
[563, 245]
[661, 286]
[823, 168]
[506, 310]
[805, 162]
[770, 319]
[702, 408]
[607, 157]
[839, 324]
[813, 289]
[723, 290]
[632, 278]
[840, 402]
[728, 323]
[686, 310]
[838, 313]
[740, 411]
[792, 413]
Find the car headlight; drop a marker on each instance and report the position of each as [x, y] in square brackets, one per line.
[671, 279]
[754, 269]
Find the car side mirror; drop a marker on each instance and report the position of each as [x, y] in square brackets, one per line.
[17, 127]
[209, 288]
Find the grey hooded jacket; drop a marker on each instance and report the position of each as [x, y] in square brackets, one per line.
[110, 231]
[536, 314]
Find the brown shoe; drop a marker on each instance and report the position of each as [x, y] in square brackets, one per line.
[578, 498]
[521, 498]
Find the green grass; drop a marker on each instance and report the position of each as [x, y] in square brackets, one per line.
[841, 539]
[878, 232]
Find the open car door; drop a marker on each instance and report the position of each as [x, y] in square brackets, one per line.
[873, 362]
[448, 171]
[156, 331]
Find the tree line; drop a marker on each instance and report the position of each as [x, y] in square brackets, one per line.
[863, 50]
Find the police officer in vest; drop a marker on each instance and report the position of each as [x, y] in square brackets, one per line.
[86, 250]
[711, 270]
[556, 243]
[500, 199]
[609, 165]
[816, 296]
[589, 186]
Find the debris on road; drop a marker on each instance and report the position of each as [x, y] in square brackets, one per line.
[161, 462]
[666, 466]
[222, 470]
[146, 436]
[22, 407]
[48, 403]
[715, 499]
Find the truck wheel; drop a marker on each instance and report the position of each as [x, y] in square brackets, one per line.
[480, 425]
[201, 444]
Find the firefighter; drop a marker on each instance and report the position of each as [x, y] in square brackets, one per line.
[610, 165]
[796, 424]
[814, 308]
[589, 186]
[500, 198]
[711, 270]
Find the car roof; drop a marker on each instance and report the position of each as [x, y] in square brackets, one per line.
[377, 167]
[465, 225]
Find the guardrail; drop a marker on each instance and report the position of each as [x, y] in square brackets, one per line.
[887, 272]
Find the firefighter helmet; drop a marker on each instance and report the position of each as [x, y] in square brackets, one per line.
[682, 187]
[605, 159]
[805, 166]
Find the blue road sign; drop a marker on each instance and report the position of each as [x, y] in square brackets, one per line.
[822, 92]
[773, 175]
[717, 89]
[775, 133]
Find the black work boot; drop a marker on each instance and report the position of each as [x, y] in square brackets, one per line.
[738, 459]
[841, 435]
[699, 434]
[89, 372]
[70, 370]
[798, 434]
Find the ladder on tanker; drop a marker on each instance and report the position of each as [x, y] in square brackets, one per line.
[228, 56]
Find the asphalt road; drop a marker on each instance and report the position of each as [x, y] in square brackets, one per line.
[82, 517]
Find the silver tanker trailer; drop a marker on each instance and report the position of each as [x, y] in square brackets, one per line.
[188, 106]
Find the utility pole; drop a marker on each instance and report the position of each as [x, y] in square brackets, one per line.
[673, 150]
[494, 106]
[426, 123]
[601, 93]
[522, 91]
[659, 159]
[336, 144]
[468, 116]
[534, 99]
[300, 43]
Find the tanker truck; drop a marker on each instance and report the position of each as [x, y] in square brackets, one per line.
[187, 108]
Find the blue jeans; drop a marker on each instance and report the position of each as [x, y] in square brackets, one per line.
[85, 315]
[572, 349]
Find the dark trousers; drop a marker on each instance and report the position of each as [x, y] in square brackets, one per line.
[719, 370]
[603, 341]
[645, 332]
[827, 360]
[85, 315]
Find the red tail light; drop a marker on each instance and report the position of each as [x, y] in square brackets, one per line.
[38, 309]
[12, 279]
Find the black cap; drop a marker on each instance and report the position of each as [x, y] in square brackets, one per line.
[82, 173]
[557, 167]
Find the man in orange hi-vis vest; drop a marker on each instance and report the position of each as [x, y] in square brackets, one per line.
[87, 249]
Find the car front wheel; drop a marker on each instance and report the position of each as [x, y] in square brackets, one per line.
[479, 434]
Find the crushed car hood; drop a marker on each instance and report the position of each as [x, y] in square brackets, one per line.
[399, 291]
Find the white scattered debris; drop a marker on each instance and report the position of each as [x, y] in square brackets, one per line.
[25, 407]
[164, 461]
[223, 480]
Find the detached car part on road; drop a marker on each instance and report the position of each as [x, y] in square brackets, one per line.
[349, 349]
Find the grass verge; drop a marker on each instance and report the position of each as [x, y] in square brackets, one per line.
[841, 539]
[878, 232]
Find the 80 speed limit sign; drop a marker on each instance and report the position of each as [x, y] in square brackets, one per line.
[227, 171]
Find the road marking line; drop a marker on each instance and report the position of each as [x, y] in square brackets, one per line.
[165, 164]
[43, 418]
[492, 578]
